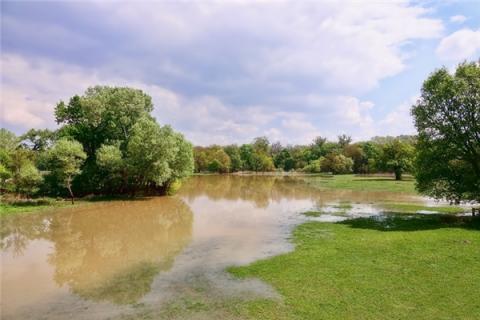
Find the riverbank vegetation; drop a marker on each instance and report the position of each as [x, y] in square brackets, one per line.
[380, 154]
[107, 143]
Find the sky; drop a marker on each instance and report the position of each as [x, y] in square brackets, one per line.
[228, 71]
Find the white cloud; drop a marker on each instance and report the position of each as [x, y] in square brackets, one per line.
[458, 18]
[398, 121]
[460, 45]
[31, 89]
[221, 72]
[334, 45]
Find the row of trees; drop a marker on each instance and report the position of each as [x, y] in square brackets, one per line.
[444, 156]
[107, 143]
[381, 154]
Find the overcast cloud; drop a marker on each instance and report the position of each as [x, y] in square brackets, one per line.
[226, 72]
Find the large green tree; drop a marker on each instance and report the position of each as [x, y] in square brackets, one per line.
[155, 158]
[447, 117]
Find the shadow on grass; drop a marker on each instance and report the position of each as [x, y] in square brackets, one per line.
[414, 222]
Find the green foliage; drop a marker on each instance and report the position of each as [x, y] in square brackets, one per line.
[397, 156]
[212, 159]
[66, 158]
[336, 163]
[28, 179]
[314, 166]
[38, 139]
[233, 152]
[447, 117]
[8, 140]
[103, 114]
[283, 160]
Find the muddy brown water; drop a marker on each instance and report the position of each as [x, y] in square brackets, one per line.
[104, 260]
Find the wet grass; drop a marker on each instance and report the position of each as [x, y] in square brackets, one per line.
[30, 206]
[11, 207]
[414, 208]
[313, 213]
[364, 183]
[393, 267]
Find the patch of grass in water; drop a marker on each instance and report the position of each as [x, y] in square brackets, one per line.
[395, 267]
[414, 208]
[365, 183]
[313, 213]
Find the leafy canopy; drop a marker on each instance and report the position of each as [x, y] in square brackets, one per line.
[447, 117]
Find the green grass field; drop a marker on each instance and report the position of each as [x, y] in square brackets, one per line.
[364, 183]
[426, 267]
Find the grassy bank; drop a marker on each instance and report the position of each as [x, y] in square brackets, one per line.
[425, 267]
[364, 183]
[20, 207]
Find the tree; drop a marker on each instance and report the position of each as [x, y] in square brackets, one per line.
[397, 156]
[246, 154]
[5, 174]
[28, 179]
[233, 152]
[355, 152]
[103, 114]
[447, 118]
[66, 158]
[38, 139]
[261, 145]
[336, 163]
[284, 160]
[315, 166]
[344, 140]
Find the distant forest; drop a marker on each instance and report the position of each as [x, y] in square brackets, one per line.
[380, 154]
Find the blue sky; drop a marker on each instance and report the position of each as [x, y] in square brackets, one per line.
[228, 71]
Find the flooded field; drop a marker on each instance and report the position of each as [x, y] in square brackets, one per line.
[108, 260]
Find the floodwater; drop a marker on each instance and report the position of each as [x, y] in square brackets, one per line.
[107, 260]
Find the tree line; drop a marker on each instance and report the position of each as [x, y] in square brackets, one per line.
[380, 154]
[107, 143]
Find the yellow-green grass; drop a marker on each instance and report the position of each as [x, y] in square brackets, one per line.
[364, 183]
[396, 267]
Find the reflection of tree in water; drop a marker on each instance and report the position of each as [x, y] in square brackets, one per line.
[263, 189]
[113, 251]
[16, 231]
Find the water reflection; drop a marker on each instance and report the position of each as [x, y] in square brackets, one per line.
[95, 262]
[262, 190]
[104, 252]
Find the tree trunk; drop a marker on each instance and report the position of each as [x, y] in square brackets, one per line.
[69, 187]
[398, 175]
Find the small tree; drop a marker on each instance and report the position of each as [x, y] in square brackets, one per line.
[336, 163]
[66, 158]
[398, 157]
[28, 179]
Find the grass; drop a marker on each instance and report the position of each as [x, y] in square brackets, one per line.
[420, 267]
[20, 207]
[10, 207]
[364, 183]
[414, 208]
